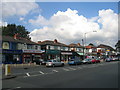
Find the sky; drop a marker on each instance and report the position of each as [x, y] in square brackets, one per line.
[68, 22]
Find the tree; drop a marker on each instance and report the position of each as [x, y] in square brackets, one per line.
[12, 29]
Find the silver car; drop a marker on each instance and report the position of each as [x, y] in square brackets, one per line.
[54, 63]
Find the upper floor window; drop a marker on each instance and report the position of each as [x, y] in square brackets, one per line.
[52, 47]
[66, 48]
[47, 47]
[29, 46]
[19, 46]
[5, 45]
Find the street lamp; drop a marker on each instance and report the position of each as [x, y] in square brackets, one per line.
[85, 36]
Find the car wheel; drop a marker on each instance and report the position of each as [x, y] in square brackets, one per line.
[63, 64]
[53, 65]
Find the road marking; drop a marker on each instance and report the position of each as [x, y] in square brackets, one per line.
[66, 69]
[55, 70]
[18, 87]
[79, 68]
[72, 68]
[41, 72]
[28, 74]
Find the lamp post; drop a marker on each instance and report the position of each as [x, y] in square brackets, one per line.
[85, 36]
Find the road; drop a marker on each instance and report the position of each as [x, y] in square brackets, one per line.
[101, 75]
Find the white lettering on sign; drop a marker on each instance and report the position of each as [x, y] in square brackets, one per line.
[33, 51]
[67, 53]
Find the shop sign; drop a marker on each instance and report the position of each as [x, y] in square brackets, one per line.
[52, 52]
[66, 53]
[33, 51]
[12, 51]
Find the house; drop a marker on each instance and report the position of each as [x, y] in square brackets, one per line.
[77, 50]
[55, 50]
[19, 50]
[91, 50]
[105, 50]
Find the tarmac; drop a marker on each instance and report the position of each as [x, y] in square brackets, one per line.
[25, 66]
[10, 76]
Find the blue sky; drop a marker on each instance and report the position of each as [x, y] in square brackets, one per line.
[50, 20]
[47, 9]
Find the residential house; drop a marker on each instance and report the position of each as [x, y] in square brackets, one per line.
[19, 50]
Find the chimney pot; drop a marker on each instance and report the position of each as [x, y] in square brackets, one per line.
[55, 41]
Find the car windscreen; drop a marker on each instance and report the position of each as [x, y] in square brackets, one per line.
[49, 61]
[71, 60]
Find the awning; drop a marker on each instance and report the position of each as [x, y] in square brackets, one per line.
[80, 53]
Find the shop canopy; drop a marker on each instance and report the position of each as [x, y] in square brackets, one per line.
[80, 53]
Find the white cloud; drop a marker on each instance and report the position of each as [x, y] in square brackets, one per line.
[21, 19]
[18, 8]
[70, 27]
[3, 23]
[40, 20]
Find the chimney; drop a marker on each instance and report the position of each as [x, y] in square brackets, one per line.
[16, 36]
[78, 44]
[55, 41]
[39, 42]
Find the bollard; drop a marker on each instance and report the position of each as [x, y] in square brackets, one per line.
[7, 70]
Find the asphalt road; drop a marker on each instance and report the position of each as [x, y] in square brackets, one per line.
[103, 75]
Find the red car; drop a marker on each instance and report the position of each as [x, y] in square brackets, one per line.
[97, 60]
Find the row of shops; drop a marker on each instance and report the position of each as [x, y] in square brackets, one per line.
[29, 56]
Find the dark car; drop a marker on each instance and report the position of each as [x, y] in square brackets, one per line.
[74, 62]
[40, 62]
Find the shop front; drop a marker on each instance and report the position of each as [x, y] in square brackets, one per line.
[81, 55]
[66, 55]
[11, 56]
[29, 56]
[52, 54]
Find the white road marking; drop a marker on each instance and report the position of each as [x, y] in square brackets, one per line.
[55, 70]
[72, 68]
[66, 69]
[18, 87]
[41, 72]
[28, 74]
[79, 67]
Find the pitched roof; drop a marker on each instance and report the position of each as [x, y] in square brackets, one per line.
[20, 40]
[48, 42]
[105, 46]
[75, 45]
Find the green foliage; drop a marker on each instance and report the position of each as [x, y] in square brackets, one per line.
[12, 29]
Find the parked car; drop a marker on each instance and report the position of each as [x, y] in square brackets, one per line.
[74, 62]
[114, 59]
[54, 63]
[108, 59]
[40, 62]
[98, 60]
[87, 61]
